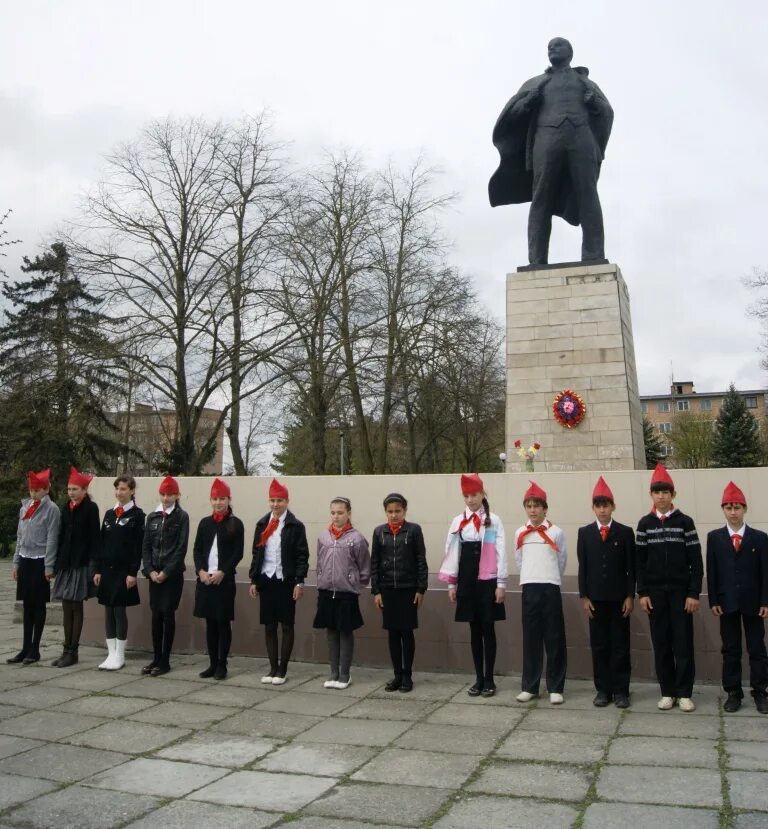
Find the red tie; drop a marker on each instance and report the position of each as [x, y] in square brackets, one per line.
[270, 528]
[119, 512]
[736, 541]
[604, 532]
[31, 510]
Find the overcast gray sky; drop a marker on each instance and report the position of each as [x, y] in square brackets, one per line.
[684, 184]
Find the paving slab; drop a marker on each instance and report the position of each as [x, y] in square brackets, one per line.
[255, 723]
[15, 745]
[157, 688]
[750, 820]
[389, 709]
[485, 812]
[456, 740]
[707, 698]
[554, 782]
[418, 768]
[325, 760]
[39, 696]
[746, 728]
[265, 790]
[749, 790]
[214, 749]
[130, 737]
[554, 746]
[184, 714]
[664, 751]
[163, 778]
[15, 789]
[401, 805]
[748, 756]
[40, 672]
[599, 721]
[355, 732]
[666, 786]
[432, 687]
[63, 763]
[234, 696]
[49, 725]
[296, 702]
[90, 680]
[454, 713]
[8, 711]
[84, 808]
[183, 814]
[506, 691]
[670, 724]
[331, 823]
[359, 687]
[103, 705]
[611, 815]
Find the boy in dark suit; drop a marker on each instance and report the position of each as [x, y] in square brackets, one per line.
[737, 580]
[606, 553]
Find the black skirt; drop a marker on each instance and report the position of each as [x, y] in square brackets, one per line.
[31, 584]
[165, 597]
[215, 601]
[338, 610]
[112, 590]
[399, 612]
[276, 604]
[477, 603]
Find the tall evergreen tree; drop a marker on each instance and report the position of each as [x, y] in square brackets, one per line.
[737, 436]
[56, 371]
[654, 451]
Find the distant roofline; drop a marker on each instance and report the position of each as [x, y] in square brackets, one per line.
[700, 394]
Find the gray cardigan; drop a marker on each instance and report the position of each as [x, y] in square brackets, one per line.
[38, 536]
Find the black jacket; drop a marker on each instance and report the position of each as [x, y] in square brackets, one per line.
[120, 547]
[668, 555]
[230, 536]
[398, 560]
[165, 543]
[606, 568]
[737, 581]
[294, 550]
[78, 535]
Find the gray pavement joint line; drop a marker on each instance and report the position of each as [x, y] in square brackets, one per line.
[726, 810]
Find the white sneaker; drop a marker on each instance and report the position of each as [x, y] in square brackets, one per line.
[556, 699]
[686, 704]
[525, 696]
[111, 647]
[278, 680]
[340, 686]
[329, 683]
[117, 660]
[267, 680]
[666, 704]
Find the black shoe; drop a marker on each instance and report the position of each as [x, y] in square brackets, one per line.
[147, 669]
[489, 688]
[406, 685]
[68, 658]
[761, 703]
[14, 660]
[732, 704]
[160, 669]
[208, 672]
[601, 699]
[220, 672]
[394, 683]
[31, 658]
[476, 689]
[621, 700]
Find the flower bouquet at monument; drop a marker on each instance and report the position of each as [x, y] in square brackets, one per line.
[527, 454]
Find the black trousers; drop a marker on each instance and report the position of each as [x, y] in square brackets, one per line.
[672, 637]
[609, 639]
[543, 630]
[754, 632]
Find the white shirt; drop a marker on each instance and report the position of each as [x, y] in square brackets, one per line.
[213, 555]
[161, 508]
[126, 507]
[273, 563]
[604, 525]
[537, 562]
[740, 531]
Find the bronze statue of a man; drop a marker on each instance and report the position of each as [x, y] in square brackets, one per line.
[551, 137]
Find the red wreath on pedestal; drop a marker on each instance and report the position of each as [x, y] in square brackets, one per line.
[569, 408]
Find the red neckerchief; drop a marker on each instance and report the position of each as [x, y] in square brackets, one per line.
[74, 505]
[218, 517]
[119, 512]
[474, 518]
[337, 532]
[541, 530]
[268, 531]
[31, 510]
[395, 528]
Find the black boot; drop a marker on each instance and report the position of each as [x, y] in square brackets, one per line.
[208, 672]
[476, 689]
[20, 657]
[406, 684]
[69, 657]
[394, 683]
[32, 657]
[221, 671]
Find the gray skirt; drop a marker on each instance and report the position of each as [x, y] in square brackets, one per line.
[74, 585]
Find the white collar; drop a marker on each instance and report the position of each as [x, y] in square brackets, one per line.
[604, 525]
[129, 506]
[281, 519]
[663, 514]
[161, 508]
[740, 531]
[468, 513]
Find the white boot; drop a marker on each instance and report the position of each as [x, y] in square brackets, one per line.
[111, 647]
[118, 660]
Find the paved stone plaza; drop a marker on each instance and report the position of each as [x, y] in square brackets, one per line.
[85, 748]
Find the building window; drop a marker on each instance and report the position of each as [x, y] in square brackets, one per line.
[683, 405]
[666, 450]
[679, 389]
[663, 406]
[706, 405]
[643, 406]
[751, 402]
[665, 428]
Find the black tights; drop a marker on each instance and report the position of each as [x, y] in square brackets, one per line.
[402, 646]
[270, 637]
[34, 622]
[483, 638]
[73, 622]
[116, 622]
[218, 635]
[163, 631]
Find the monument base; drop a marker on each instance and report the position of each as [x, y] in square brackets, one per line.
[570, 328]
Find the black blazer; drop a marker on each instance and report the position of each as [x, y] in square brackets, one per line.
[737, 581]
[399, 561]
[78, 535]
[606, 568]
[294, 550]
[230, 536]
[165, 543]
[120, 547]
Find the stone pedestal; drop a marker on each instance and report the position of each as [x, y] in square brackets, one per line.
[570, 328]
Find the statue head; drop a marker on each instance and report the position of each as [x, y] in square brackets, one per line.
[559, 51]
